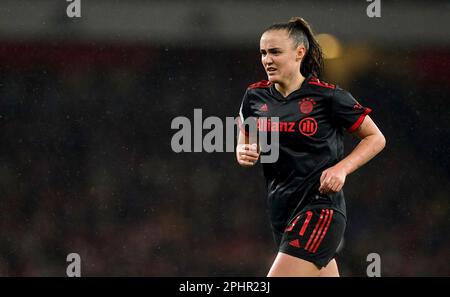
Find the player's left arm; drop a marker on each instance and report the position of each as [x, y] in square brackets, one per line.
[372, 142]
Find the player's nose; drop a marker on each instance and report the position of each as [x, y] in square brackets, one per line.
[267, 60]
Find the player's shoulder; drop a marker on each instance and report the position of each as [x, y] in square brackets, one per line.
[318, 83]
[326, 89]
[257, 89]
[262, 84]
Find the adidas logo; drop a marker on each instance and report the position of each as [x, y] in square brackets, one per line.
[295, 243]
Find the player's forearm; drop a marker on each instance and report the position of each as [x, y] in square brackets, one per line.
[366, 149]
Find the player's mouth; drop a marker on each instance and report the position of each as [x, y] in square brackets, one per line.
[271, 70]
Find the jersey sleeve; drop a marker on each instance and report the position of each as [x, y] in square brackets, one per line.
[346, 111]
[245, 112]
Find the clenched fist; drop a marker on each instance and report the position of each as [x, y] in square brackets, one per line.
[332, 180]
[247, 154]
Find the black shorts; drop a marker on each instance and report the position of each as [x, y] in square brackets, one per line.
[313, 235]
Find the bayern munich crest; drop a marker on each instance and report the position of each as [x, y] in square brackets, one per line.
[306, 105]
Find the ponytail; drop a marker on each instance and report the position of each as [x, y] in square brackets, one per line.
[300, 31]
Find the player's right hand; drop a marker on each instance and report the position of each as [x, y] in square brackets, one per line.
[247, 154]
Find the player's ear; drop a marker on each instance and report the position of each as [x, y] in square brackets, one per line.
[300, 52]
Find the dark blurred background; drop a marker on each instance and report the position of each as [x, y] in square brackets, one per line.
[86, 164]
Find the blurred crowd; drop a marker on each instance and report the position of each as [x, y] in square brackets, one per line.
[86, 166]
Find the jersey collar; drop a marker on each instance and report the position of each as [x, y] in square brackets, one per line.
[280, 97]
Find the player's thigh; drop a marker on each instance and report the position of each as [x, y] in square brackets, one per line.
[331, 270]
[286, 265]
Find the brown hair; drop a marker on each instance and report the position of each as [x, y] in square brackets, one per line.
[300, 31]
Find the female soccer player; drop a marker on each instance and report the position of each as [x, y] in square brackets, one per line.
[305, 197]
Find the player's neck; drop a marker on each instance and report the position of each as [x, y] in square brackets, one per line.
[287, 88]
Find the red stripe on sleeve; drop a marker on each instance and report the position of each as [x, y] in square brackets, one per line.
[359, 121]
